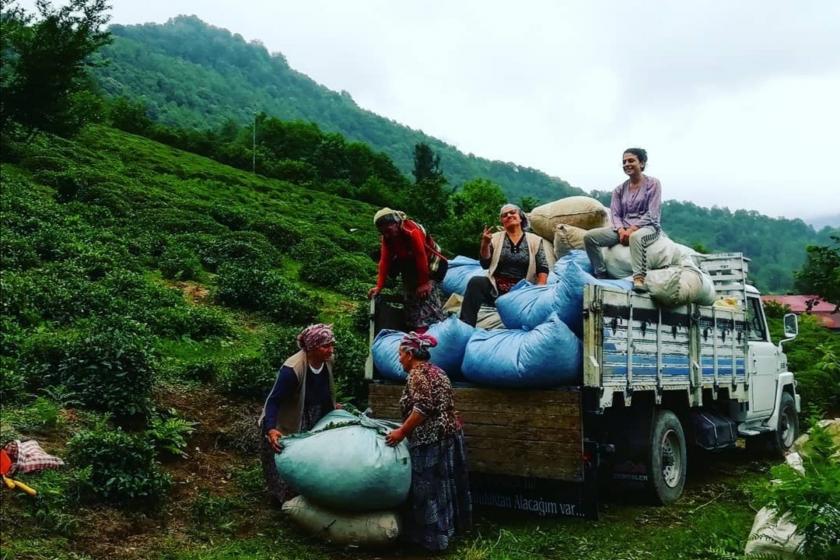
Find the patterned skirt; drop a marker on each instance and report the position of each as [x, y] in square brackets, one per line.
[422, 312]
[439, 504]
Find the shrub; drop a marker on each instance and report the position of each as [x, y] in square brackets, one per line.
[267, 291]
[280, 345]
[197, 323]
[169, 435]
[17, 252]
[351, 351]
[335, 271]
[247, 376]
[241, 248]
[206, 369]
[179, 263]
[211, 511]
[109, 365]
[123, 467]
[314, 248]
[233, 218]
[12, 385]
[281, 233]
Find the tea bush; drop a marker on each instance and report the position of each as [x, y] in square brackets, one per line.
[247, 376]
[109, 364]
[245, 248]
[266, 291]
[169, 433]
[122, 466]
[197, 323]
[339, 270]
[280, 232]
[233, 218]
[179, 263]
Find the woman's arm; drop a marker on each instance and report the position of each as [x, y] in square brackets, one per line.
[542, 265]
[653, 212]
[417, 239]
[616, 211]
[284, 387]
[414, 419]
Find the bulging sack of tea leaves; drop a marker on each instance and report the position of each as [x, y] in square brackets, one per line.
[373, 529]
[680, 284]
[579, 211]
[566, 239]
[660, 254]
[344, 463]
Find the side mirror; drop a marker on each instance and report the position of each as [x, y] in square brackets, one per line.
[791, 324]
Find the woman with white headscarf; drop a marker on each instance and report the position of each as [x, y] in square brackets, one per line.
[509, 256]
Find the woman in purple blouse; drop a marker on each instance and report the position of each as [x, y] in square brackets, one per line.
[635, 209]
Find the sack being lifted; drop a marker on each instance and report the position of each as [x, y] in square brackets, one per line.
[344, 463]
[579, 211]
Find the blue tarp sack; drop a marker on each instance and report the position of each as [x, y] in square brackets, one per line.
[530, 305]
[345, 464]
[573, 256]
[452, 336]
[458, 275]
[547, 356]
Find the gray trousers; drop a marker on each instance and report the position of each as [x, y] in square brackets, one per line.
[640, 240]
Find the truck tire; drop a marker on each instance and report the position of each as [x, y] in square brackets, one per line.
[668, 458]
[787, 427]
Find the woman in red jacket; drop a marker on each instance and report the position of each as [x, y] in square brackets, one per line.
[404, 251]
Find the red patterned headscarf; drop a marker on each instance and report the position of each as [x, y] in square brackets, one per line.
[314, 336]
[418, 344]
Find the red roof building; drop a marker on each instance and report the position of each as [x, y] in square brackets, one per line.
[822, 310]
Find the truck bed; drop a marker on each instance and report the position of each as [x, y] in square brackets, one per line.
[524, 433]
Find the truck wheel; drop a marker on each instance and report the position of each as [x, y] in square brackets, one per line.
[668, 459]
[787, 428]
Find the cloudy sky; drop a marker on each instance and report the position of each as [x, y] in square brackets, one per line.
[736, 102]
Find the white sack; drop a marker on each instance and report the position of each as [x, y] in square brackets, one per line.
[679, 285]
[772, 536]
[567, 238]
[661, 253]
[374, 528]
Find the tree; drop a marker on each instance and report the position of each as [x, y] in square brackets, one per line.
[428, 198]
[820, 274]
[474, 207]
[45, 80]
[528, 203]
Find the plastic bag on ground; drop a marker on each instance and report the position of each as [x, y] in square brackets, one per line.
[373, 529]
[344, 463]
[547, 356]
[580, 211]
[529, 306]
[452, 335]
[679, 285]
[772, 535]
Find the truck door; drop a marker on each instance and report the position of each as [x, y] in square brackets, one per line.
[762, 361]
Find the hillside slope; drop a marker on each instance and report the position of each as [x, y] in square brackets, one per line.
[192, 74]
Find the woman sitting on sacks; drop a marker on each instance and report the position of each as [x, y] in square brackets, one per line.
[438, 504]
[635, 209]
[302, 394]
[404, 250]
[509, 256]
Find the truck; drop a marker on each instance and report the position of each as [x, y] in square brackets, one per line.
[655, 382]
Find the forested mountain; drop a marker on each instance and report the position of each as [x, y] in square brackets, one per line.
[191, 74]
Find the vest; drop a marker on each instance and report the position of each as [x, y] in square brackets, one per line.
[290, 415]
[498, 239]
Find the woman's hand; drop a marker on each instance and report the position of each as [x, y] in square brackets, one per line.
[624, 236]
[486, 236]
[373, 292]
[424, 290]
[274, 436]
[395, 436]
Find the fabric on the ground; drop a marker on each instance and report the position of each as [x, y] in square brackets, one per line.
[29, 457]
[547, 356]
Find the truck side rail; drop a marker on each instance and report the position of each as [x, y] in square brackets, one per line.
[631, 344]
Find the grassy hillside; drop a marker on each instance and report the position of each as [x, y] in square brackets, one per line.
[148, 296]
[191, 74]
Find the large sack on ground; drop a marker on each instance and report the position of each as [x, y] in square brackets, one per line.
[547, 356]
[661, 253]
[345, 464]
[774, 536]
[375, 528]
[580, 211]
[458, 275]
[679, 285]
[452, 335]
[567, 238]
[528, 306]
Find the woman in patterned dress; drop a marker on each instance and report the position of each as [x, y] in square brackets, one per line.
[439, 505]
